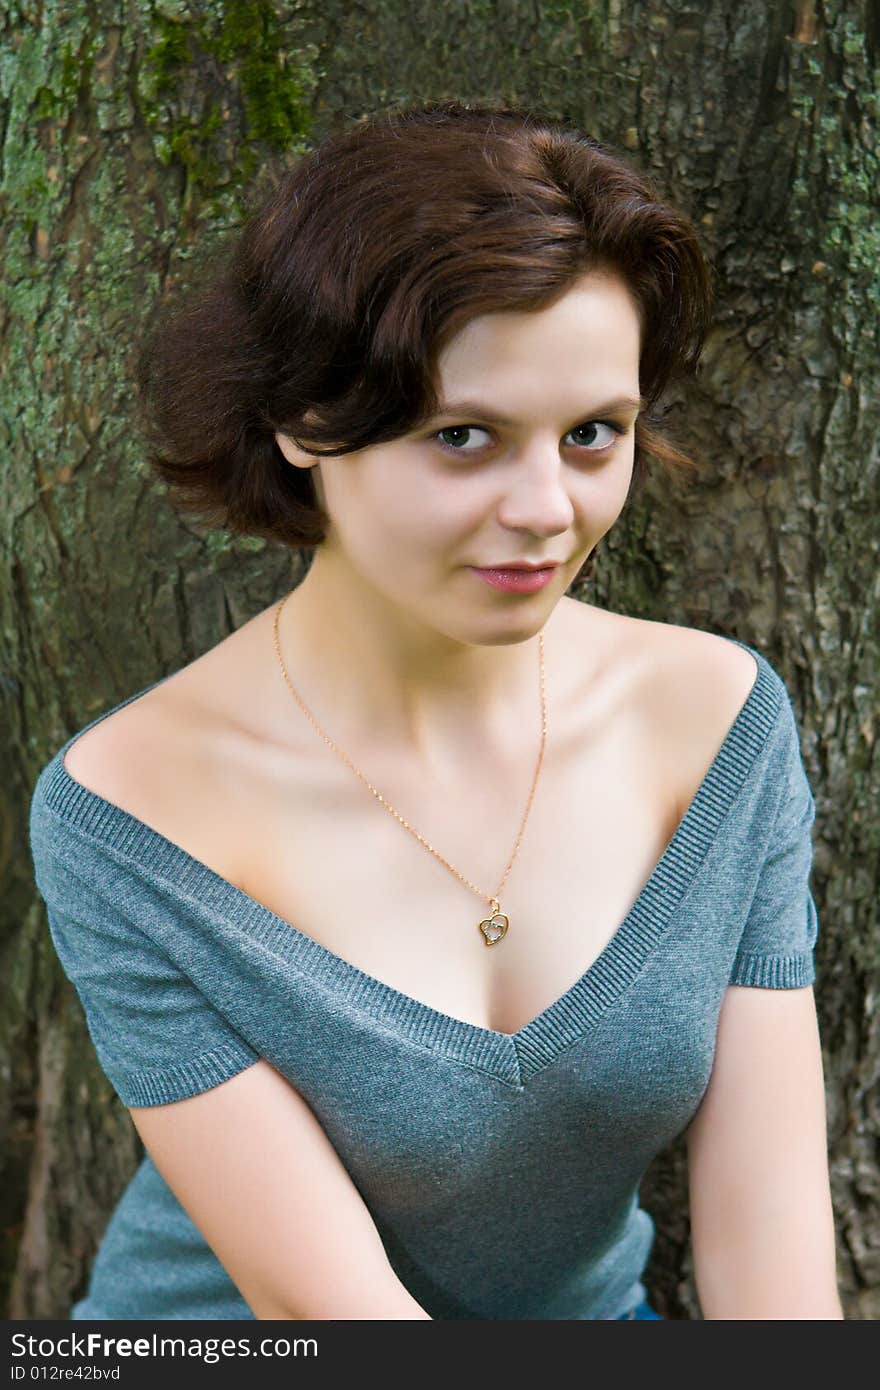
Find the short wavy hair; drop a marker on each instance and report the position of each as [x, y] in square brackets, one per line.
[322, 316]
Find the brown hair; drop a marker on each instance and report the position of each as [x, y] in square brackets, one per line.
[323, 316]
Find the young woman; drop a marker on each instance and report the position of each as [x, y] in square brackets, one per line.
[412, 920]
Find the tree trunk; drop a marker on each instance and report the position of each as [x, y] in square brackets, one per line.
[129, 134]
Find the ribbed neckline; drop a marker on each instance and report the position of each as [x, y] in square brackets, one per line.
[510, 1057]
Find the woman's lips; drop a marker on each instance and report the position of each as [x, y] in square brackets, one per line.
[517, 581]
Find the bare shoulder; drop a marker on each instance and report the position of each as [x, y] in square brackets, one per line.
[702, 683]
[177, 727]
[680, 668]
[703, 670]
[162, 760]
[131, 747]
[139, 756]
[698, 683]
[689, 687]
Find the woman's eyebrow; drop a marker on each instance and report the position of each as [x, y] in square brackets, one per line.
[485, 412]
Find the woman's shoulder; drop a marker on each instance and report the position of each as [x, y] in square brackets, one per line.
[689, 691]
[686, 677]
[195, 700]
[703, 674]
[158, 756]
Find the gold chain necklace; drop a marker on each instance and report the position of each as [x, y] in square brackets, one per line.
[494, 928]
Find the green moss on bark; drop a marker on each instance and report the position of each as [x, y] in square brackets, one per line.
[181, 108]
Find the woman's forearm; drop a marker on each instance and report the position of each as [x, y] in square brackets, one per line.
[765, 1289]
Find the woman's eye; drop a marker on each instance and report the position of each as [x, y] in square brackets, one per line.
[458, 431]
[589, 429]
[460, 434]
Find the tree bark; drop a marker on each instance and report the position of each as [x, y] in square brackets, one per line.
[129, 133]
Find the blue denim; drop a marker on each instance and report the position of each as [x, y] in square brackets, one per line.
[640, 1314]
[501, 1170]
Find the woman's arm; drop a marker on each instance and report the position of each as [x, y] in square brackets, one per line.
[762, 1224]
[252, 1167]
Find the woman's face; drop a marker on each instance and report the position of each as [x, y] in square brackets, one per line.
[536, 467]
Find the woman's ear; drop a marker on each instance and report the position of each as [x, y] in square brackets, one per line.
[300, 459]
[292, 452]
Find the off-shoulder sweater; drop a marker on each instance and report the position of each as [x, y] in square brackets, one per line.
[502, 1170]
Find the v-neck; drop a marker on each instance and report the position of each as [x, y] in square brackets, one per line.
[508, 1056]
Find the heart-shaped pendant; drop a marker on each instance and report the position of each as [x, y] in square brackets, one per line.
[494, 928]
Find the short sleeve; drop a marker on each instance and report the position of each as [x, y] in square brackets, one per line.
[156, 1036]
[776, 947]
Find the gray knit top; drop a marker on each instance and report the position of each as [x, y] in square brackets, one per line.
[502, 1171]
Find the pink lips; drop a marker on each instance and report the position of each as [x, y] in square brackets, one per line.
[517, 581]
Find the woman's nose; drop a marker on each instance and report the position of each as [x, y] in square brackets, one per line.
[537, 497]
